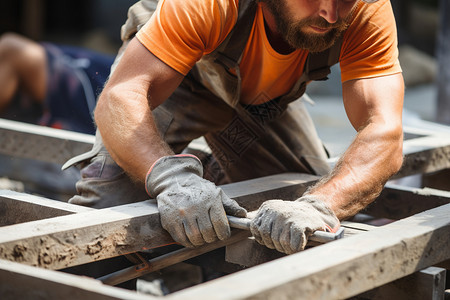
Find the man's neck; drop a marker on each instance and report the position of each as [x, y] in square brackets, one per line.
[275, 39]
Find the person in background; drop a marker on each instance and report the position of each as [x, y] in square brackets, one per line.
[50, 84]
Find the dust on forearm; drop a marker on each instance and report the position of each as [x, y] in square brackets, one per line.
[361, 173]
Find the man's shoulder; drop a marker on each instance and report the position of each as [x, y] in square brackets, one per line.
[365, 12]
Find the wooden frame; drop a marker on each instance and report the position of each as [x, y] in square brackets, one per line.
[369, 259]
[53, 235]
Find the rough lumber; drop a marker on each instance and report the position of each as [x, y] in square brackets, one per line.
[249, 253]
[398, 202]
[428, 284]
[341, 269]
[80, 238]
[71, 240]
[18, 281]
[444, 264]
[252, 193]
[169, 259]
[427, 152]
[425, 155]
[18, 208]
[41, 143]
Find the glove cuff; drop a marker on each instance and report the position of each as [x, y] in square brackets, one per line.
[169, 166]
[332, 223]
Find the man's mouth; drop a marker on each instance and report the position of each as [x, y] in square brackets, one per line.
[319, 29]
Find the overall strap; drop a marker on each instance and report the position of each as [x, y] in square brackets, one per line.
[318, 64]
[215, 70]
[317, 67]
[231, 50]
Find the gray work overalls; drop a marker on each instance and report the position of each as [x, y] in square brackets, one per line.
[246, 142]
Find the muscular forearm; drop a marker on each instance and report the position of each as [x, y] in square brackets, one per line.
[124, 119]
[360, 174]
[139, 83]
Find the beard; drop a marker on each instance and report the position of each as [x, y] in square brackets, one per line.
[292, 31]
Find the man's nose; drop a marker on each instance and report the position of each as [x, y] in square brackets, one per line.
[329, 10]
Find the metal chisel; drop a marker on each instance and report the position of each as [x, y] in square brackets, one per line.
[317, 236]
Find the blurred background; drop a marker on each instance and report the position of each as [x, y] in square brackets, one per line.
[95, 24]
[89, 23]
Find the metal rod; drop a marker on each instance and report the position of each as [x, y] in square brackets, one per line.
[318, 236]
[183, 254]
[168, 259]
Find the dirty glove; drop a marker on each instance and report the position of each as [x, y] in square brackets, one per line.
[286, 225]
[192, 209]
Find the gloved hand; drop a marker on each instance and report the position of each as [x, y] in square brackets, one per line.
[192, 209]
[286, 225]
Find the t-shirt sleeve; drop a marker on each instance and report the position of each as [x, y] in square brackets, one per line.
[180, 32]
[369, 46]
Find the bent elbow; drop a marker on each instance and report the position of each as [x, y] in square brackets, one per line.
[101, 115]
[396, 161]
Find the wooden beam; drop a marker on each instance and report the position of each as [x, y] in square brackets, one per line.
[398, 202]
[18, 208]
[427, 284]
[57, 285]
[341, 269]
[425, 155]
[76, 239]
[41, 143]
[101, 234]
[18, 281]
[71, 240]
[252, 193]
[249, 253]
[428, 152]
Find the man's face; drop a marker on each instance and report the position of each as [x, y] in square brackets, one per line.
[311, 25]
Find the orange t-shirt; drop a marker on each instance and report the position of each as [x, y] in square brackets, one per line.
[180, 32]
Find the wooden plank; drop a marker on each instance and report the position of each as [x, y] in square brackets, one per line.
[71, 240]
[425, 155]
[249, 253]
[341, 269]
[41, 143]
[18, 281]
[398, 202]
[444, 264]
[80, 238]
[428, 284]
[18, 208]
[170, 259]
[252, 193]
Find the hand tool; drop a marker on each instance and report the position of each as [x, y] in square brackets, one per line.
[317, 236]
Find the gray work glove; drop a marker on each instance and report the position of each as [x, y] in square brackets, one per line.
[192, 209]
[287, 225]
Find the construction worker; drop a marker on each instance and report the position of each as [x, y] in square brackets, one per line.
[49, 84]
[228, 70]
